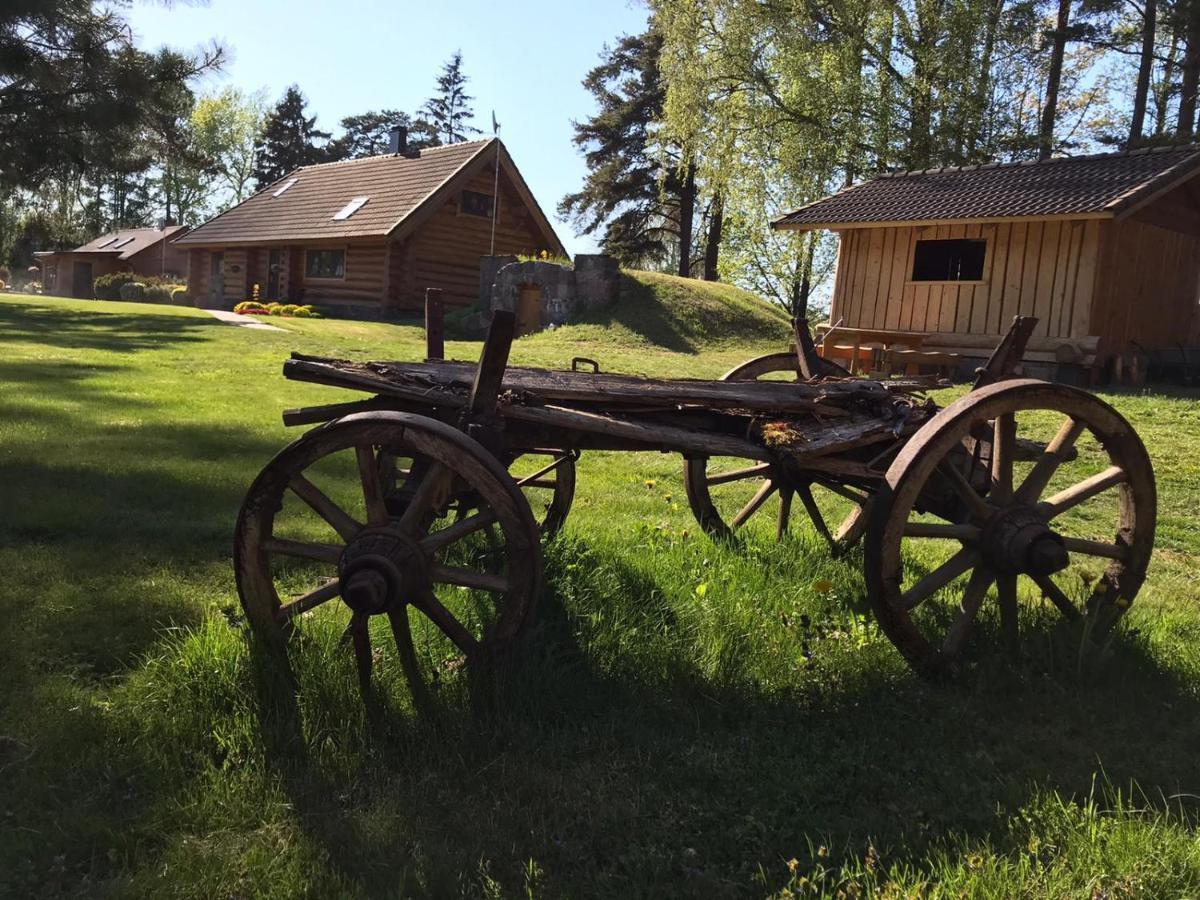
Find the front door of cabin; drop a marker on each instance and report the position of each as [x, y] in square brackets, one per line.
[529, 309]
[274, 273]
[81, 281]
[216, 279]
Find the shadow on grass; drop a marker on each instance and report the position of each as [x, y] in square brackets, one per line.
[99, 330]
[622, 779]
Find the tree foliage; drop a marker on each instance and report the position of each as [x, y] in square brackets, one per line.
[635, 190]
[290, 139]
[449, 110]
[369, 134]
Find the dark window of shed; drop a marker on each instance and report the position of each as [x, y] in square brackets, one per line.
[325, 264]
[474, 203]
[954, 260]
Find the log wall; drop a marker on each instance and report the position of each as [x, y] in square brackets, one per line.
[448, 246]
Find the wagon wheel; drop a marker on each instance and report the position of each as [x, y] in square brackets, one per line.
[970, 516]
[547, 478]
[726, 493]
[317, 526]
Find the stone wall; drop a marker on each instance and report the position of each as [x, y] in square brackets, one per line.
[567, 292]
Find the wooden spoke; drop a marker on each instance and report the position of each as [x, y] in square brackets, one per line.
[432, 607]
[960, 562]
[424, 497]
[360, 637]
[328, 553]
[341, 521]
[368, 471]
[1054, 594]
[976, 505]
[540, 483]
[814, 512]
[545, 470]
[968, 608]
[753, 506]
[785, 513]
[456, 532]
[305, 602]
[843, 491]
[1047, 464]
[1006, 592]
[967, 534]
[1085, 490]
[1004, 437]
[1095, 548]
[854, 526]
[760, 470]
[469, 578]
[398, 619]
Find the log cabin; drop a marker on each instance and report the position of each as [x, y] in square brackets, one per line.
[1103, 249]
[143, 251]
[366, 237]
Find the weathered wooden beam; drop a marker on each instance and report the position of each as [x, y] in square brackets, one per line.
[435, 324]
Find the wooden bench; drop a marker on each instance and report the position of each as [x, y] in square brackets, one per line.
[869, 345]
[909, 362]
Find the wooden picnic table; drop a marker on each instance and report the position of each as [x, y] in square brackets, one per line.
[843, 340]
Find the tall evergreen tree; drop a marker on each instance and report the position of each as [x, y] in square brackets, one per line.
[288, 140]
[634, 191]
[449, 110]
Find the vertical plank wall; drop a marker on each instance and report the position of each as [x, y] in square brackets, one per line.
[1149, 288]
[1046, 269]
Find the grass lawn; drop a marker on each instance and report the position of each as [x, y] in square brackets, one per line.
[690, 719]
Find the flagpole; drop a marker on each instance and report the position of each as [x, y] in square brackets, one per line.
[495, 184]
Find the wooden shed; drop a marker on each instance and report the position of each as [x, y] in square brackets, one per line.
[144, 251]
[368, 236]
[1104, 250]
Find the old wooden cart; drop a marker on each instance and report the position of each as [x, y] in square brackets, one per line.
[418, 500]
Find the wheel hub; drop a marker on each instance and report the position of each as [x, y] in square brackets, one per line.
[379, 569]
[1018, 541]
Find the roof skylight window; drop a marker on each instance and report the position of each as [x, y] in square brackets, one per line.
[127, 240]
[282, 189]
[350, 208]
[111, 240]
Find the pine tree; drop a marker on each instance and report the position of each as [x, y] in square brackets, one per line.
[288, 140]
[632, 191]
[449, 111]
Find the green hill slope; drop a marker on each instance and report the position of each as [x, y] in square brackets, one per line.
[679, 314]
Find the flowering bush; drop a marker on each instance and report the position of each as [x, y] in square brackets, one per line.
[134, 291]
[254, 308]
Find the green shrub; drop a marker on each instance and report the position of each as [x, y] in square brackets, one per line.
[108, 287]
[5, 275]
[158, 293]
[179, 295]
[133, 291]
[33, 287]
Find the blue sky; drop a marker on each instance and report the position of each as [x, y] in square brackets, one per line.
[525, 59]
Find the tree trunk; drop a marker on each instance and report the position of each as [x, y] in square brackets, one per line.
[712, 247]
[687, 210]
[1186, 124]
[802, 285]
[1057, 51]
[1145, 69]
[1162, 93]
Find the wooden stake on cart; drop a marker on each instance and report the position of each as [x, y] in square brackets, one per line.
[435, 324]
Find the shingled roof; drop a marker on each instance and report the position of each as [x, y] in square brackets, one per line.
[1099, 186]
[126, 242]
[303, 204]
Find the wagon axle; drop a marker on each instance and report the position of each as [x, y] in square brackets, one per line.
[379, 568]
[1018, 540]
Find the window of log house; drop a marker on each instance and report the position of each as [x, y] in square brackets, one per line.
[949, 260]
[473, 203]
[325, 264]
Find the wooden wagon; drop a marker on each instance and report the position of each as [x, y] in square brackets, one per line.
[427, 504]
